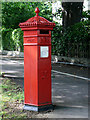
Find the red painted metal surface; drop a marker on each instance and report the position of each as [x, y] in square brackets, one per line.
[37, 69]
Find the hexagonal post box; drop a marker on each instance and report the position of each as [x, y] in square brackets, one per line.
[37, 63]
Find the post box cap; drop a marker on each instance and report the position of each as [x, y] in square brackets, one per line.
[36, 21]
[37, 11]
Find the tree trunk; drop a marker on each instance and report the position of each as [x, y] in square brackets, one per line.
[72, 13]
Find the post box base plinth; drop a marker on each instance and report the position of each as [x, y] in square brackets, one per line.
[38, 108]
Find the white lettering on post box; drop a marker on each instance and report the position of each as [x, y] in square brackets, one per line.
[44, 51]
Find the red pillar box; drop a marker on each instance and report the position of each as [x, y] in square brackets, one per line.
[37, 63]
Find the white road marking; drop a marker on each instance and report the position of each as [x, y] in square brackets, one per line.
[71, 75]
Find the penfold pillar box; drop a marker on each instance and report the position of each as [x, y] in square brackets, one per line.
[37, 63]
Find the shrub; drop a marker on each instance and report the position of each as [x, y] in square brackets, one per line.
[17, 36]
[71, 42]
[12, 39]
[74, 38]
[56, 39]
[7, 42]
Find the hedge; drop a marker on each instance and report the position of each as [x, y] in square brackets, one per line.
[63, 43]
[74, 38]
[12, 40]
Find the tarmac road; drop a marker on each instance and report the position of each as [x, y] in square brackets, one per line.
[69, 94]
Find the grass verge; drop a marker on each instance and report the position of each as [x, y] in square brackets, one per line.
[12, 101]
[12, 98]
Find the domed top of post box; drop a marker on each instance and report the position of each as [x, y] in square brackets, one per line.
[37, 21]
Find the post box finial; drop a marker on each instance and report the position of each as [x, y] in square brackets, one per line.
[37, 11]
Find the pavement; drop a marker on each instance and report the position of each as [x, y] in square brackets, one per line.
[69, 94]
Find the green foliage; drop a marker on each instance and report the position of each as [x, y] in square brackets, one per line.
[86, 14]
[11, 96]
[12, 40]
[11, 91]
[65, 42]
[46, 10]
[17, 36]
[14, 13]
[0, 39]
[56, 39]
[7, 42]
[77, 33]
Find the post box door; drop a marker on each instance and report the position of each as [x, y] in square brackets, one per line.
[44, 65]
